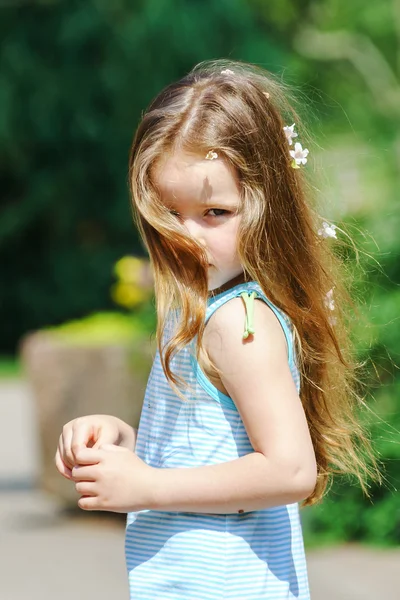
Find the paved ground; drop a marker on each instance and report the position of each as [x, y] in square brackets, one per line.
[47, 554]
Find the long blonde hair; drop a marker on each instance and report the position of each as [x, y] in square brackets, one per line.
[241, 116]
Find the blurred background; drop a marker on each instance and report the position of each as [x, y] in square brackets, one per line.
[76, 308]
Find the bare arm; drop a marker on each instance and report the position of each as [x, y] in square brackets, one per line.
[249, 483]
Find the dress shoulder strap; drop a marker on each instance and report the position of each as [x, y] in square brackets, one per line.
[249, 291]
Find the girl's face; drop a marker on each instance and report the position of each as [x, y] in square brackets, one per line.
[204, 196]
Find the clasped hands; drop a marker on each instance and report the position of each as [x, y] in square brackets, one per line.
[96, 453]
[112, 478]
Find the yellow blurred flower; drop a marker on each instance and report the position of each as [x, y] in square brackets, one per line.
[135, 282]
[128, 295]
[128, 269]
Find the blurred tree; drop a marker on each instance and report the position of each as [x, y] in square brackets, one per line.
[74, 79]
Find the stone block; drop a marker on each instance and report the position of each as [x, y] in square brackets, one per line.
[70, 381]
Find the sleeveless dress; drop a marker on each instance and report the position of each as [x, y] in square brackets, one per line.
[256, 555]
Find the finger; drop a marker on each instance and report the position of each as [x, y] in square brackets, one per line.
[67, 455]
[84, 488]
[97, 444]
[89, 503]
[103, 438]
[61, 451]
[82, 473]
[89, 456]
[82, 434]
[61, 466]
[66, 467]
[112, 448]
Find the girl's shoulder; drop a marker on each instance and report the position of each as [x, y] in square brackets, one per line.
[236, 318]
[229, 328]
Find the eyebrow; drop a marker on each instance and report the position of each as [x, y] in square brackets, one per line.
[226, 203]
[233, 206]
[208, 202]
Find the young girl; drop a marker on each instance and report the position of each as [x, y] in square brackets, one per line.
[228, 442]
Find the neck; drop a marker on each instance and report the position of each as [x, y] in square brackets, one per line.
[241, 278]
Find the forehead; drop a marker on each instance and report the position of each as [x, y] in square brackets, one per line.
[182, 176]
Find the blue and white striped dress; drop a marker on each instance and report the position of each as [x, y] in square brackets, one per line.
[257, 555]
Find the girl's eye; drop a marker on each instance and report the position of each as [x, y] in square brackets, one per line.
[175, 213]
[217, 212]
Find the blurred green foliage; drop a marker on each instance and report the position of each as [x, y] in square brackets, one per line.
[10, 367]
[74, 79]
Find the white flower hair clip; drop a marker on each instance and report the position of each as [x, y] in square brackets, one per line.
[227, 72]
[299, 154]
[290, 133]
[330, 305]
[327, 230]
[211, 155]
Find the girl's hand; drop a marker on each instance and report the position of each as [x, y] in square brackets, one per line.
[112, 478]
[88, 432]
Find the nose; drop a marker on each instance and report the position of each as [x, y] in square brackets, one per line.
[195, 230]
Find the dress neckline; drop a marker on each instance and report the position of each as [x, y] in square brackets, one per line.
[241, 278]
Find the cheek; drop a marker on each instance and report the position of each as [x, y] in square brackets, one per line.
[226, 247]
